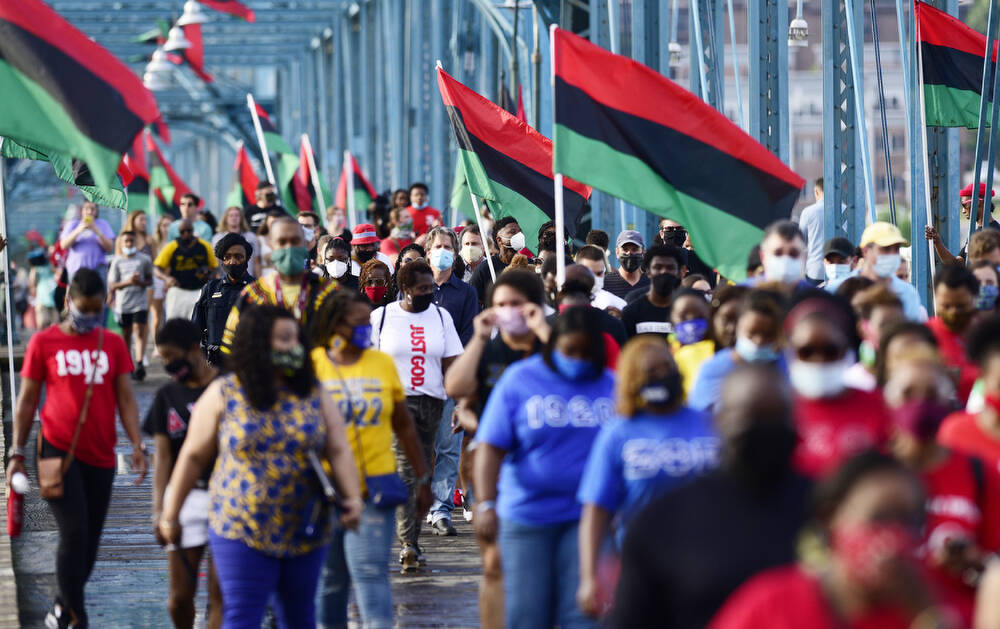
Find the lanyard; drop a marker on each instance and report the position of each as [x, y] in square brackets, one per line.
[300, 306]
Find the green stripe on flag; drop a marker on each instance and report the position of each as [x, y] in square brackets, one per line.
[111, 196]
[288, 164]
[460, 199]
[277, 144]
[720, 239]
[951, 107]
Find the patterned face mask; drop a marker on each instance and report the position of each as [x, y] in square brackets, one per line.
[290, 360]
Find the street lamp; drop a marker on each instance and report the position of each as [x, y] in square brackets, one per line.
[192, 14]
[675, 54]
[159, 72]
[798, 30]
[176, 39]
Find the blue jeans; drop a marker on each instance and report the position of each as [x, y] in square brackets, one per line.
[248, 578]
[360, 556]
[541, 570]
[447, 448]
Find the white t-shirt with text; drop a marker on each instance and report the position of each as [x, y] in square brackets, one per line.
[417, 341]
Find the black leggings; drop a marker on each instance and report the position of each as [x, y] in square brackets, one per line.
[80, 516]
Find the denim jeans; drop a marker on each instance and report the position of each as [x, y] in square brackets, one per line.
[361, 557]
[447, 448]
[541, 568]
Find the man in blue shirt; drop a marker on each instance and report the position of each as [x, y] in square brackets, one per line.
[880, 245]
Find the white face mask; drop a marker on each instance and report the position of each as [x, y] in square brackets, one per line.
[836, 271]
[421, 206]
[886, 264]
[819, 380]
[308, 233]
[471, 253]
[517, 241]
[785, 269]
[598, 283]
[336, 268]
[129, 251]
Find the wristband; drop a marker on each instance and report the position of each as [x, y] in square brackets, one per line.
[17, 452]
[486, 505]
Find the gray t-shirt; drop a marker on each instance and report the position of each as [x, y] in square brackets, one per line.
[130, 299]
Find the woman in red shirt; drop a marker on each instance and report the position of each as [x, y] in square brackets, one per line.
[68, 359]
[963, 495]
[869, 514]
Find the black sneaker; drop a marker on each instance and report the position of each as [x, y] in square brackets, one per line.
[408, 557]
[139, 374]
[444, 527]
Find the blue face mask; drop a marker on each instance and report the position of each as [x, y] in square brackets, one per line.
[690, 331]
[361, 336]
[442, 259]
[572, 368]
[987, 297]
[751, 352]
[84, 323]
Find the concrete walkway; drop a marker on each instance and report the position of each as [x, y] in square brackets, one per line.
[129, 584]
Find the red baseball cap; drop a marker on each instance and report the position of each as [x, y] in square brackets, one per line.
[364, 234]
[967, 191]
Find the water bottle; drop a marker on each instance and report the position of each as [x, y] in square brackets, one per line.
[19, 486]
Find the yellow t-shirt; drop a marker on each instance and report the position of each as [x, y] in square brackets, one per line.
[689, 359]
[374, 390]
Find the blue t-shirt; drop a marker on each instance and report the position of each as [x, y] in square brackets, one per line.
[634, 460]
[708, 385]
[547, 425]
[907, 294]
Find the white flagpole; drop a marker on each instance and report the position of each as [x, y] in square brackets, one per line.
[352, 217]
[923, 151]
[260, 139]
[314, 175]
[558, 183]
[485, 235]
[8, 279]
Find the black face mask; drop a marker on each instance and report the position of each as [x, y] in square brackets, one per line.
[631, 262]
[664, 284]
[421, 302]
[762, 454]
[364, 255]
[675, 237]
[180, 369]
[235, 271]
[271, 198]
[186, 241]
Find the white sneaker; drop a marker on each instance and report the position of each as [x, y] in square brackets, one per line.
[466, 513]
[430, 518]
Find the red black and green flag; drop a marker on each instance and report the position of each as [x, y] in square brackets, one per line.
[507, 162]
[245, 182]
[138, 188]
[275, 143]
[195, 53]
[302, 190]
[626, 129]
[164, 182]
[75, 172]
[64, 94]
[953, 57]
[364, 192]
[232, 7]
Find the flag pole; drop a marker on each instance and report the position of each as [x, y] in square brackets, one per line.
[557, 179]
[923, 125]
[154, 216]
[6, 286]
[265, 157]
[314, 175]
[485, 235]
[352, 217]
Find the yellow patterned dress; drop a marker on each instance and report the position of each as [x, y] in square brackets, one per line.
[263, 491]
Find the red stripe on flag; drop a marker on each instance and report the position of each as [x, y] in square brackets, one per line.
[180, 188]
[523, 117]
[502, 130]
[232, 8]
[940, 29]
[626, 85]
[245, 173]
[195, 55]
[301, 182]
[124, 172]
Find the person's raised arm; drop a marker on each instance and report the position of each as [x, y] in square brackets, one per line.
[345, 471]
[406, 432]
[67, 241]
[27, 403]
[461, 381]
[129, 412]
[199, 449]
[931, 233]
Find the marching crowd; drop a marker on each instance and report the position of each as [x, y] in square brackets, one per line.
[644, 444]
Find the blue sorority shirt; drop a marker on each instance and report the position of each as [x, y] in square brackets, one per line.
[635, 460]
[547, 425]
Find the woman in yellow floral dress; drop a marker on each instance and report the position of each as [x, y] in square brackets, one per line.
[269, 523]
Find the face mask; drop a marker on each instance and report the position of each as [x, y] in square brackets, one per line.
[364, 255]
[336, 268]
[886, 264]
[288, 361]
[836, 271]
[785, 269]
[420, 206]
[308, 233]
[511, 320]
[180, 369]
[421, 302]
[271, 197]
[867, 549]
[661, 391]
[361, 336]
[920, 418]
[375, 293]
[750, 352]
[517, 241]
[631, 262]
[442, 259]
[763, 451]
[571, 368]
[818, 380]
[186, 241]
[402, 232]
[957, 321]
[987, 297]
[471, 253]
[867, 354]
[663, 284]
[84, 323]
[675, 237]
[690, 331]
[235, 271]
[598, 283]
[290, 260]
[129, 251]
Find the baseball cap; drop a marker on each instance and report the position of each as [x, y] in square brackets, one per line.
[967, 191]
[840, 246]
[882, 234]
[364, 234]
[630, 236]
